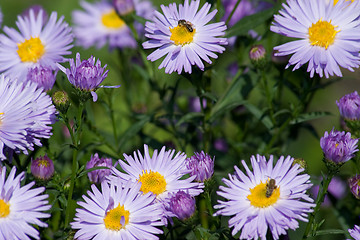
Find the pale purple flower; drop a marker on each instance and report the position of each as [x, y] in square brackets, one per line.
[181, 205]
[21, 207]
[257, 53]
[354, 184]
[201, 165]
[37, 9]
[86, 75]
[162, 173]
[36, 43]
[44, 77]
[355, 232]
[118, 211]
[182, 35]
[255, 205]
[123, 7]
[26, 115]
[349, 106]
[338, 147]
[327, 39]
[42, 168]
[99, 175]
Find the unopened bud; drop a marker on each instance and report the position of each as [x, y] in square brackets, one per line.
[61, 101]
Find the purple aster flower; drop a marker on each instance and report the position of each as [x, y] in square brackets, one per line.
[355, 232]
[327, 39]
[124, 7]
[97, 176]
[44, 77]
[221, 145]
[37, 9]
[117, 212]
[42, 168]
[269, 197]
[21, 207]
[86, 75]
[26, 114]
[338, 147]
[37, 43]
[181, 205]
[201, 165]
[349, 106]
[354, 184]
[184, 36]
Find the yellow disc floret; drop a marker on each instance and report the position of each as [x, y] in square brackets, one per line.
[116, 218]
[258, 196]
[112, 20]
[31, 50]
[336, 1]
[322, 33]
[152, 182]
[4, 209]
[1, 117]
[181, 34]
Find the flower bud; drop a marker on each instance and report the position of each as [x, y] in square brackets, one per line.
[301, 162]
[99, 175]
[42, 168]
[201, 166]
[182, 205]
[354, 184]
[349, 106]
[257, 56]
[61, 101]
[44, 77]
[124, 7]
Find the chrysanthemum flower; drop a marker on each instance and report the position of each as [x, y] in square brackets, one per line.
[184, 36]
[37, 43]
[159, 174]
[26, 113]
[44, 77]
[181, 205]
[349, 106]
[354, 184]
[42, 168]
[329, 35]
[117, 212]
[99, 24]
[99, 175]
[201, 165]
[355, 232]
[269, 197]
[338, 147]
[20, 207]
[86, 75]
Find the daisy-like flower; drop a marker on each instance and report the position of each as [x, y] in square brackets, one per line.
[99, 24]
[349, 106]
[99, 175]
[184, 36]
[269, 197]
[20, 207]
[159, 174]
[37, 43]
[26, 113]
[201, 166]
[117, 212]
[355, 232]
[44, 77]
[338, 147]
[329, 35]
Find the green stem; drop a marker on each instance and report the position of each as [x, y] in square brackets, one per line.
[74, 168]
[320, 198]
[232, 12]
[268, 96]
[112, 116]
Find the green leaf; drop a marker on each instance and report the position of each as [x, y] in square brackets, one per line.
[189, 117]
[90, 170]
[134, 129]
[247, 23]
[258, 114]
[309, 116]
[329, 232]
[139, 19]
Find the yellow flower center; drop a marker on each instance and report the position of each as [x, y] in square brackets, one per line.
[258, 197]
[43, 163]
[116, 218]
[152, 182]
[1, 117]
[31, 50]
[181, 34]
[336, 1]
[322, 33]
[4, 209]
[112, 20]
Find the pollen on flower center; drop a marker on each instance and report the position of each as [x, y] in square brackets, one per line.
[116, 218]
[336, 1]
[258, 197]
[152, 182]
[181, 34]
[322, 33]
[112, 20]
[43, 163]
[31, 50]
[4, 209]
